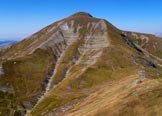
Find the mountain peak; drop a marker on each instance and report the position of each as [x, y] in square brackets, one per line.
[83, 14]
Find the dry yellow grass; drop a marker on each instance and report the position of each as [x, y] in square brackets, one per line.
[122, 98]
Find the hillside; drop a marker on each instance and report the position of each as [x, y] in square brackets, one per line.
[82, 66]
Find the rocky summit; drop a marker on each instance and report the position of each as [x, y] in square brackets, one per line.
[82, 66]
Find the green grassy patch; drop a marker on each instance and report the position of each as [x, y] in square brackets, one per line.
[27, 74]
[71, 53]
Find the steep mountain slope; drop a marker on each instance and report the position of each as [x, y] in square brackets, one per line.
[79, 66]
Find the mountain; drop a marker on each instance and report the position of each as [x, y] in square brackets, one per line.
[82, 66]
[158, 34]
[7, 42]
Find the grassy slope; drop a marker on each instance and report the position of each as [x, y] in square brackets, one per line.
[122, 98]
[71, 54]
[27, 74]
[27, 45]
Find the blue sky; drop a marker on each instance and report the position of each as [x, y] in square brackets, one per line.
[21, 18]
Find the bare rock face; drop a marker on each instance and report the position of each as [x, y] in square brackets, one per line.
[63, 37]
[95, 36]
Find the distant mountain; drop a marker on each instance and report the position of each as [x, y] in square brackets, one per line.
[7, 42]
[159, 34]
